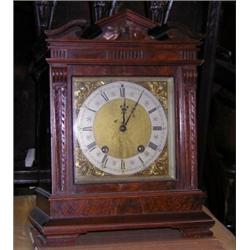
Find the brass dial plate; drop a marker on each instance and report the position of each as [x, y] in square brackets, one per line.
[122, 145]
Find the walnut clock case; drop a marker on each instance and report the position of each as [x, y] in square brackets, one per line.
[123, 133]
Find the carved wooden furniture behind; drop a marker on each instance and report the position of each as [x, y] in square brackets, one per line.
[71, 209]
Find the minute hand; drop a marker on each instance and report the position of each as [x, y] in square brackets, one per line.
[133, 109]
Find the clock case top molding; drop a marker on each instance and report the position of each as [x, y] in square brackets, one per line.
[72, 209]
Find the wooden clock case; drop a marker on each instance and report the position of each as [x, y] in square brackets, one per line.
[70, 209]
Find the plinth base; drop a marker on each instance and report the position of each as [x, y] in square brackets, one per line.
[52, 232]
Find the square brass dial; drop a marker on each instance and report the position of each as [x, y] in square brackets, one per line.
[105, 106]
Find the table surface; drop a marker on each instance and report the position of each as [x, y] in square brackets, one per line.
[160, 239]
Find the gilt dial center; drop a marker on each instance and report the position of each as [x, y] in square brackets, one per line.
[122, 140]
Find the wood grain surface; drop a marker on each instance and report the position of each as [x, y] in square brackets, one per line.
[122, 240]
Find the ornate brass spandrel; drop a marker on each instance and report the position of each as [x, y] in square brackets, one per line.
[159, 167]
[82, 89]
[83, 166]
[158, 89]
[84, 170]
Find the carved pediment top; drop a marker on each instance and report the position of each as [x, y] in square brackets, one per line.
[124, 26]
[127, 16]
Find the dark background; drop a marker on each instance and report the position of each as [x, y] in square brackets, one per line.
[216, 93]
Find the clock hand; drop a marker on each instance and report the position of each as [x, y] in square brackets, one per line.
[133, 109]
[124, 109]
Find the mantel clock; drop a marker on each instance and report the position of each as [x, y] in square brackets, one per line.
[123, 132]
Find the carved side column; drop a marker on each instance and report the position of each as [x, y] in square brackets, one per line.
[189, 78]
[59, 127]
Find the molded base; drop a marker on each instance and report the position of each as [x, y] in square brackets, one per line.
[51, 232]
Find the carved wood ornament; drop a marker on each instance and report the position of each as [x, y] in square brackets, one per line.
[123, 49]
[59, 104]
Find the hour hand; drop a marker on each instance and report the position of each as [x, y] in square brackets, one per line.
[124, 109]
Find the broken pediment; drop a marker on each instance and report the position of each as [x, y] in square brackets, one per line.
[124, 26]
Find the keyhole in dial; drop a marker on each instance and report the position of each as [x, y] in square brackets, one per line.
[105, 149]
[140, 148]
